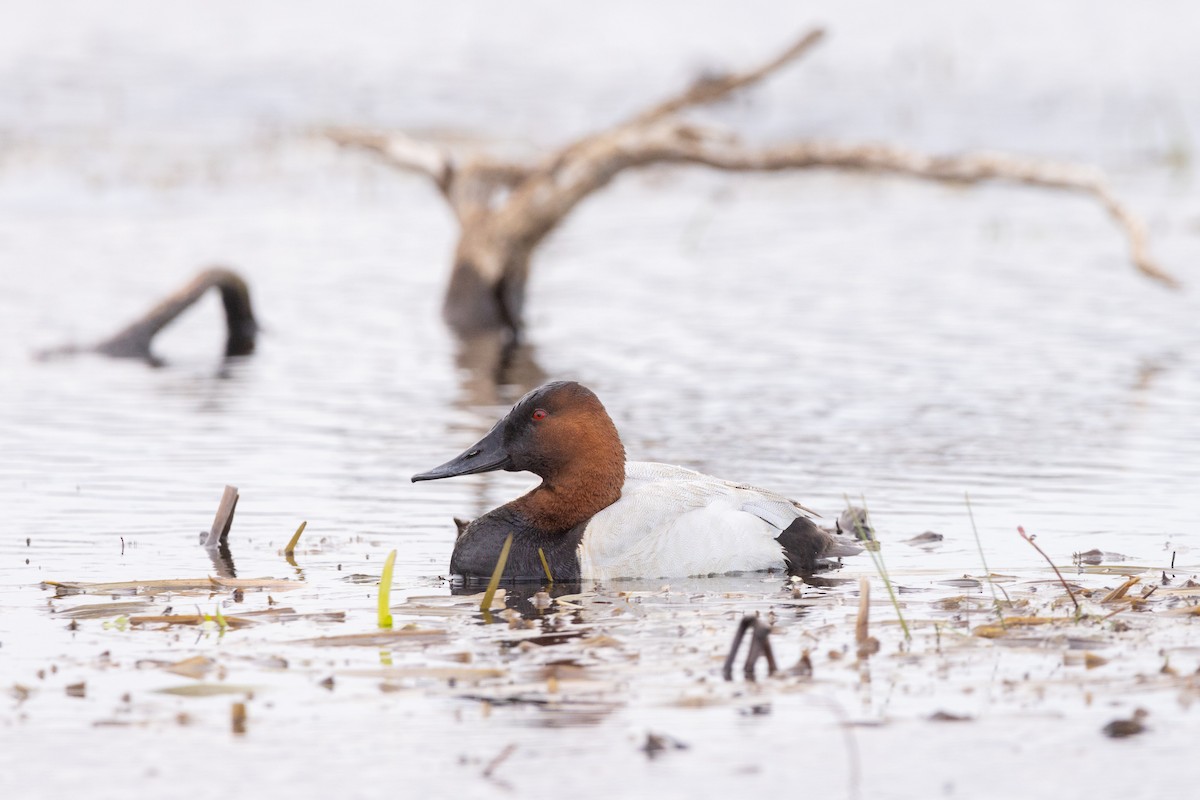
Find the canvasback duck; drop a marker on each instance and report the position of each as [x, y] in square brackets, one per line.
[596, 516]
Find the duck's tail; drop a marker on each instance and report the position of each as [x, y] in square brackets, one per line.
[809, 548]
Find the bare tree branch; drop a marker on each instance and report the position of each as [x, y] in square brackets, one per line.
[881, 158]
[470, 185]
[707, 89]
[505, 209]
[401, 152]
[710, 89]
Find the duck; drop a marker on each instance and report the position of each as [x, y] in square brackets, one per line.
[596, 516]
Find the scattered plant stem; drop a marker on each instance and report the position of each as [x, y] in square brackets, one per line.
[498, 760]
[290, 550]
[486, 603]
[877, 560]
[760, 647]
[1067, 586]
[546, 565]
[385, 590]
[1112, 614]
[237, 718]
[866, 645]
[987, 572]
[863, 623]
[1119, 592]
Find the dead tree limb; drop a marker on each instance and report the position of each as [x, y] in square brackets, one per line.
[709, 89]
[505, 209]
[134, 340]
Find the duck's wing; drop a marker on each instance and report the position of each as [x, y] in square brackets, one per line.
[675, 522]
[698, 488]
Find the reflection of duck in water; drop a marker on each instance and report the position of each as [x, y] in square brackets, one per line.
[134, 341]
[596, 516]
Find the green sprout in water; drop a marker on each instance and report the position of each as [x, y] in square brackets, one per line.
[290, 551]
[486, 604]
[385, 591]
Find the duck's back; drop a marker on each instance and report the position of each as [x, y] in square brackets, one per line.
[675, 522]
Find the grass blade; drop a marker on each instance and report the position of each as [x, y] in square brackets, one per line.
[385, 591]
[290, 550]
[486, 603]
[986, 571]
[545, 565]
[877, 560]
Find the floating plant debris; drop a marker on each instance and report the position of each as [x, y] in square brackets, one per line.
[375, 638]
[205, 584]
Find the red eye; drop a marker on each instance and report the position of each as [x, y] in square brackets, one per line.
[539, 414]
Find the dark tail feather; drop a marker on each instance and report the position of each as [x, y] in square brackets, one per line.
[809, 548]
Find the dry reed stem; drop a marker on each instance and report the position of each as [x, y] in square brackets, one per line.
[1061, 579]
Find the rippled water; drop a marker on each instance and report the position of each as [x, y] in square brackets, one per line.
[827, 336]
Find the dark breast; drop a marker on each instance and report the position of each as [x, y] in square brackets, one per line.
[478, 549]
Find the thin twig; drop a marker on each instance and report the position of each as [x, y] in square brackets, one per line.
[399, 151]
[1067, 586]
[710, 89]
[499, 759]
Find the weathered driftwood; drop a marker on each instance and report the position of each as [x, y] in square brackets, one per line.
[505, 209]
[223, 521]
[216, 541]
[134, 340]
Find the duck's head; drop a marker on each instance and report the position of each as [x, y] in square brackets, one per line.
[557, 429]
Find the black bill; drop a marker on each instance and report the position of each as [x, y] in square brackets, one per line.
[486, 455]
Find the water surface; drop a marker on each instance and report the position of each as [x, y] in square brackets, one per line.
[827, 336]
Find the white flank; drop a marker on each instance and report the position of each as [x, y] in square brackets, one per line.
[673, 522]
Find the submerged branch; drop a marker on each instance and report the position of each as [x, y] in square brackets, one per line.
[135, 339]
